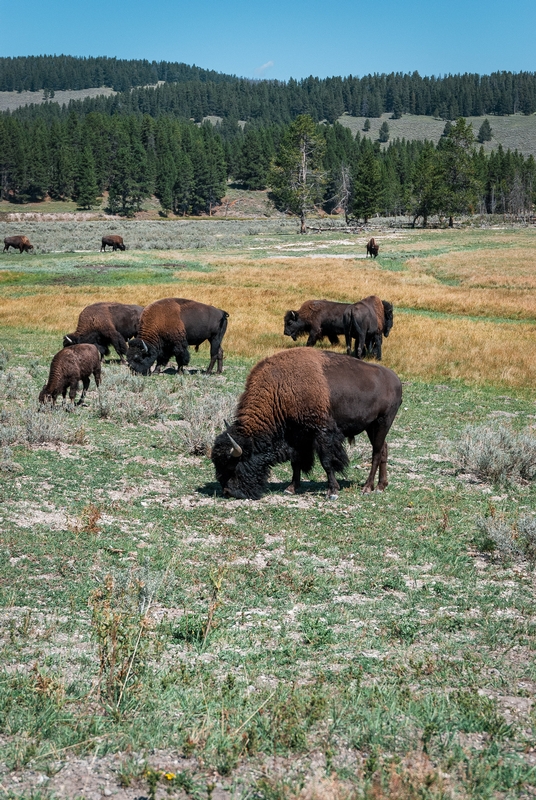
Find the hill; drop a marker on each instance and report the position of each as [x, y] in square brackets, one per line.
[514, 132]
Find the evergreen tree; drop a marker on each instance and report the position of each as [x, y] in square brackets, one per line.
[295, 177]
[459, 188]
[383, 135]
[367, 184]
[484, 133]
[426, 186]
[86, 183]
[366, 125]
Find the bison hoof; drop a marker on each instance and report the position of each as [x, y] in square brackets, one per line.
[290, 489]
[332, 496]
[367, 489]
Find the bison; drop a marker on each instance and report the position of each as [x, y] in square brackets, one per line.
[21, 242]
[168, 326]
[114, 241]
[318, 318]
[105, 324]
[372, 248]
[366, 322]
[68, 368]
[298, 403]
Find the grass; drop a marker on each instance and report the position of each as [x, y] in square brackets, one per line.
[157, 637]
[516, 131]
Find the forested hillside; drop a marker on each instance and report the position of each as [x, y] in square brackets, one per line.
[191, 92]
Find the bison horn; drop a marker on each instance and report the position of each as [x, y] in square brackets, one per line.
[144, 346]
[236, 452]
[68, 340]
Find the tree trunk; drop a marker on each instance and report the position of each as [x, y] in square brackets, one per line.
[302, 222]
[451, 222]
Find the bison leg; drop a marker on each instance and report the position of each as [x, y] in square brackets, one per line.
[377, 433]
[294, 485]
[313, 337]
[85, 387]
[120, 346]
[333, 457]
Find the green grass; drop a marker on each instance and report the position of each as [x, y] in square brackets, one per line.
[150, 626]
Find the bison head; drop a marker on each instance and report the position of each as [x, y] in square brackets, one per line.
[293, 325]
[240, 469]
[141, 356]
[45, 396]
[121, 246]
[388, 314]
[70, 338]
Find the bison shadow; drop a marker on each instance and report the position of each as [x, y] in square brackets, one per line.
[308, 487]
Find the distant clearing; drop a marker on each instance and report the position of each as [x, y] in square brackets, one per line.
[9, 101]
[517, 132]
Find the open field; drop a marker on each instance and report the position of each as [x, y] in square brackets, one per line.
[517, 131]
[159, 640]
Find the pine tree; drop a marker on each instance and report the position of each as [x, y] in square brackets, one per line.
[296, 177]
[484, 133]
[366, 125]
[367, 184]
[459, 188]
[86, 183]
[383, 135]
[426, 197]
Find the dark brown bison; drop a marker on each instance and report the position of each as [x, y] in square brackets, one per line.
[22, 243]
[318, 318]
[68, 368]
[372, 248]
[366, 322]
[299, 403]
[105, 324]
[168, 326]
[115, 242]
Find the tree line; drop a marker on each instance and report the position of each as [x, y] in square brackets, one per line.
[188, 167]
[194, 93]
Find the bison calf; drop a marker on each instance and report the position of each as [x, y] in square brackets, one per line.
[300, 403]
[318, 318]
[114, 241]
[68, 368]
[22, 243]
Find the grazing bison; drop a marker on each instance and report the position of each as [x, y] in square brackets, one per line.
[21, 242]
[299, 403]
[68, 368]
[372, 248]
[168, 326]
[366, 322]
[318, 318]
[115, 242]
[105, 324]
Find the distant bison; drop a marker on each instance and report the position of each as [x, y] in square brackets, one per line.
[168, 326]
[22, 243]
[366, 322]
[105, 324]
[68, 368]
[300, 403]
[115, 242]
[318, 318]
[372, 248]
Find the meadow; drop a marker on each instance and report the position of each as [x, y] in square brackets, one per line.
[159, 640]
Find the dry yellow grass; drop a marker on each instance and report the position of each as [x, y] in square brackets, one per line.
[483, 268]
[256, 293]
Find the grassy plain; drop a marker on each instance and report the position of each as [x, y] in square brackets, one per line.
[159, 640]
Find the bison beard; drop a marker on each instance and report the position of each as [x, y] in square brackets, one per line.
[301, 403]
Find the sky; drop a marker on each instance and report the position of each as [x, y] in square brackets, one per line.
[280, 39]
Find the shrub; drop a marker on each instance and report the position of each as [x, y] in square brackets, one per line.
[510, 539]
[204, 418]
[497, 454]
[132, 398]
[4, 358]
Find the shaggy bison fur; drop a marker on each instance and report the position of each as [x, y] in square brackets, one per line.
[105, 324]
[113, 241]
[20, 243]
[366, 322]
[168, 326]
[300, 403]
[318, 318]
[68, 368]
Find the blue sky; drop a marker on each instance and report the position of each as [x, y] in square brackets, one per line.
[281, 39]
